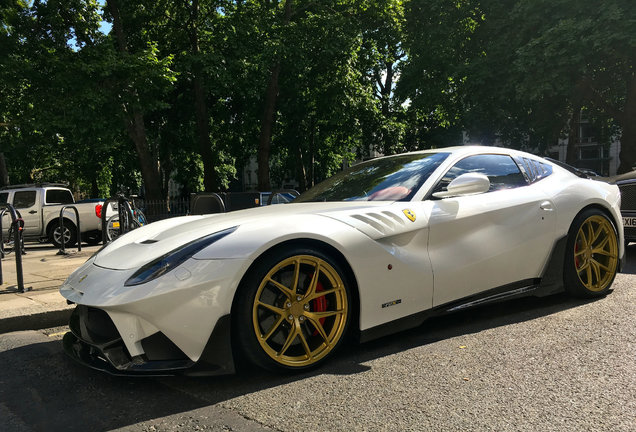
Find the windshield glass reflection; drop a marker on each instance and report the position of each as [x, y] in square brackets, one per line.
[395, 178]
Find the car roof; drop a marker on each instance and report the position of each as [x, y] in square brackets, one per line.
[470, 149]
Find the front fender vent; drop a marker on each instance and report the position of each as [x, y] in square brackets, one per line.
[385, 222]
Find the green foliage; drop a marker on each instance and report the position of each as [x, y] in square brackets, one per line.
[515, 70]
[355, 77]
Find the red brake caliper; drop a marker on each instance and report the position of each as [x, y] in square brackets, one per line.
[319, 305]
[576, 258]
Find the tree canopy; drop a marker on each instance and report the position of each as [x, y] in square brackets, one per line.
[110, 95]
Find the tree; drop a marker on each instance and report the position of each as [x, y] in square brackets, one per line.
[588, 53]
[518, 71]
[149, 69]
[49, 100]
[382, 57]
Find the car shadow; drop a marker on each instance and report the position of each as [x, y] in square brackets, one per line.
[44, 390]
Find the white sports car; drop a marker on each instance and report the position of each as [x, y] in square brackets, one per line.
[373, 250]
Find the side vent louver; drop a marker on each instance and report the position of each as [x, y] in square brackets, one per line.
[384, 222]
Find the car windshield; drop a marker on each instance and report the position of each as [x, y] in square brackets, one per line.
[395, 178]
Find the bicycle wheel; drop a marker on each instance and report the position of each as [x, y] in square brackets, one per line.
[140, 217]
[112, 227]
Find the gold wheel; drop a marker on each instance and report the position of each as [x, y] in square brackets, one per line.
[300, 311]
[596, 253]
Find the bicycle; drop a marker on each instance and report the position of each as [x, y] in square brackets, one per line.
[8, 242]
[132, 216]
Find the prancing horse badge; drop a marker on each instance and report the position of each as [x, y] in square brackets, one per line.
[409, 214]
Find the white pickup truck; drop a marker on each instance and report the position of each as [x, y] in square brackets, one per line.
[40, 205]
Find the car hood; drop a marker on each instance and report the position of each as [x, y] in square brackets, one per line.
[154, 240]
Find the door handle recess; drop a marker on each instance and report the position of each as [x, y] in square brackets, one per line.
[547, 206]
[33, 212]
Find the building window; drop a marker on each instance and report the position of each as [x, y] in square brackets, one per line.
[589, 153]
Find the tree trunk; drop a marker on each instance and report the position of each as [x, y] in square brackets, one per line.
[385, 103]
[302, 173]
[201, 106]
[135, 121]
[4, 174]
[94, 188]
[628, 137]
[574, 136]
[267, 120]
[312, 151]
[147, 162]
[386, 90]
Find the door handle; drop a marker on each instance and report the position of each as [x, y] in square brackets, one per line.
[33, 212]
[547, 206]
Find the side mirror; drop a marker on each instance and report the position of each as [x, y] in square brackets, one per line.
[465, 184]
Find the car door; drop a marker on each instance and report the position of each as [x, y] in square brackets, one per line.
[490, 240]
[27, 203]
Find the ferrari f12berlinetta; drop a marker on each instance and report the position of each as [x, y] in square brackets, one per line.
[372, 250]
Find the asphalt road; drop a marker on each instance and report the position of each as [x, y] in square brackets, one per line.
[551, 364]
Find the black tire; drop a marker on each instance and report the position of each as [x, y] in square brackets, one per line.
[591, 256]
[70, 234]
[92, 239]
[280, 320]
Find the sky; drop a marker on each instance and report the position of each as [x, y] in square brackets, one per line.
[104, 26]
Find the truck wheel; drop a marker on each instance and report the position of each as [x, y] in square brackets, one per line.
[92, 239]
[70, 234]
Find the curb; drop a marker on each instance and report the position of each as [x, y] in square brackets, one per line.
[35, 321]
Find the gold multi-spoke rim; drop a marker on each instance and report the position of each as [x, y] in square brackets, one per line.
[596, 253]
[300, 311]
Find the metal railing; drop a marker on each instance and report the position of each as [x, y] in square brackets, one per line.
[62, 250]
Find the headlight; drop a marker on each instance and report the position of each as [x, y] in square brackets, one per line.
[174, 258]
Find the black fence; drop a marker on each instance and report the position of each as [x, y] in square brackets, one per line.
[162, 209]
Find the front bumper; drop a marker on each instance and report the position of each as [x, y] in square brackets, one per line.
[630, 231]
[95, 342]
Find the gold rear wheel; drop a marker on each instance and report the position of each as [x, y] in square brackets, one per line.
[592, 260]
[596, 253]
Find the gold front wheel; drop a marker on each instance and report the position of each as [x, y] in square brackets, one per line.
[299, 311]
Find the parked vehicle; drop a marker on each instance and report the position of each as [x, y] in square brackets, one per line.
[628, 207]
[373, 250]
[40, 204]
[627, 185]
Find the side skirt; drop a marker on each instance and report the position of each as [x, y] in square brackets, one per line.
[551, 282]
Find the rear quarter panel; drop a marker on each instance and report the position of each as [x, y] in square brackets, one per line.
[572, 194]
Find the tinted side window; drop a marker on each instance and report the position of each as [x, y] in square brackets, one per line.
[3, 197]
[58, 196]
[24, 199]
[501, 170]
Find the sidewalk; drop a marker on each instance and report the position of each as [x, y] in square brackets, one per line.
[43, 272]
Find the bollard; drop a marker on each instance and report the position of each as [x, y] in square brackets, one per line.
[62, 250]
[2, 213]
